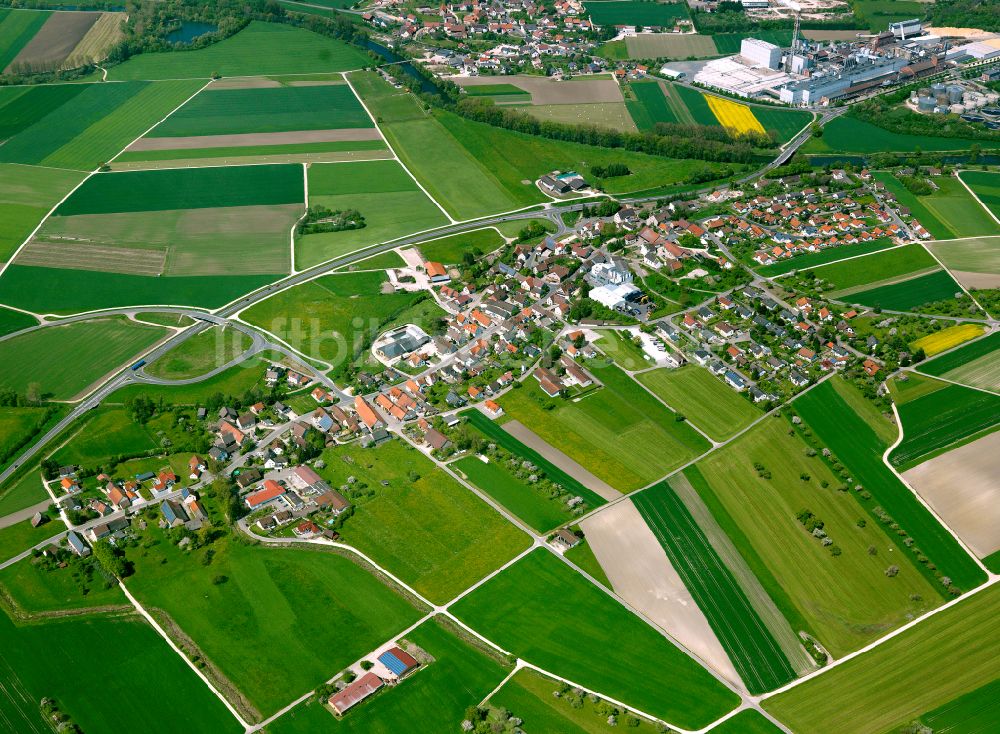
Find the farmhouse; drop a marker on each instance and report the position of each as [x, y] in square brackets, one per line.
[355, 693]
[398, 662]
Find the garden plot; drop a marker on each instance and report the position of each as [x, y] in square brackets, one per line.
[962, 487]
[643, 576]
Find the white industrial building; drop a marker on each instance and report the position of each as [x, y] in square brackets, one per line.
[761, 53]
[729, 75]
[612, 296]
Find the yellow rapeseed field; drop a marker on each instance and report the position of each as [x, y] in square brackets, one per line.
[737, 117]
[939, 341]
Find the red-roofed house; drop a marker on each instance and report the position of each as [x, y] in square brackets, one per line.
[270, 492]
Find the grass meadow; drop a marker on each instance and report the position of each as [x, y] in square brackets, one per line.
[978, 255]
[260, 48]
[63, 360]
[847, 134]
[976, 711]
[519, 497]
[845, 601]
[94, 125]
[451, 250]
[65, 291]
[137, 655]
[618, 345]
[24, 105]
[530, 696]
[26, 195]
[202, 353]
[23, 489]
[637, 12]
[757, 657]
[944, 418]
[829, 255]
[21, 536]
[385, 195]
[423, 526]
[703, 399]
[186, 188]
[11, 321]
[249, 153]
[986, 185]
[543, 612]
[436, 696]
[334, 317]
[616, 431]
[36, 590]
[234, 382]
[936, 661]
[265, 110]
[283, 621]
[947, 213]
[907, 294]
[854, 444]
[103, 433]
[505, 440]
[880, 266]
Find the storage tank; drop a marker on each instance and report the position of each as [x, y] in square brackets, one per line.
[925, 104]
[939, 88]
[955, 93]
[957, 109]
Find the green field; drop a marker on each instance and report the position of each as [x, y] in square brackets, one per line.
[880, 13]
[846, 134]
[23, 106]
[474, 169]
[11, 321]
[63, 360]
[343, 309]
[385, 195]
[113, 700]
[543, 612]
[618, 432]
[437, 695]
[696, 104]
[505, 440]
[845, 601]
[757, 657]
[248, 153]
[260, 48]
[746, 722]
[21, 492]
[976, 364]
[186, 188]
[939, 659]
[618, 345]
[15, 423]
[202, 353]
[21, 536]
[661, 45]
[17, 28]
[949, 212]
[103, 433]
[269, 595]
[60, 290]
[614, 115]
[233, 382]
[451, 250]
[881, 266]
[986, 185]
[854, 443]
[649, 106]
[266, 110]
[976, 255]
[530, 697]
[93, 126]
[832, 254]
[423, 526]
[37, 590]
[26, 195]
[943, 418]
[970, 713]
[708, 403]
[908, 294]
[637, 12]
[537, 510]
